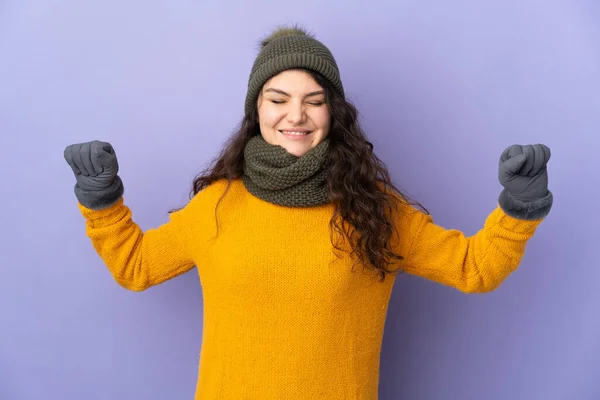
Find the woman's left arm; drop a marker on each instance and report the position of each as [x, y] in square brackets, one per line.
[480, 263]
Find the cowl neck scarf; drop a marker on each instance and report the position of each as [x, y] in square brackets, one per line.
[274, 175]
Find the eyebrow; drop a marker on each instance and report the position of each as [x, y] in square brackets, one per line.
[286, 94]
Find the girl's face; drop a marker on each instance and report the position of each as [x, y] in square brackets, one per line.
[292, 112]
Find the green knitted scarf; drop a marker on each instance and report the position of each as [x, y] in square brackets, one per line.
[274, 175]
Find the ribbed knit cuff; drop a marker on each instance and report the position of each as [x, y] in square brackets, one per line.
[527, 210]
[100, 199]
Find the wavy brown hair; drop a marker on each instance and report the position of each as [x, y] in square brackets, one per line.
[359, 183]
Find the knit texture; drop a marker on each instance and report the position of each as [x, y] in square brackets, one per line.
[284, 318]
[287, 49]
[276, 176]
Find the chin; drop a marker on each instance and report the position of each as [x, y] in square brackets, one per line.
[296, 151]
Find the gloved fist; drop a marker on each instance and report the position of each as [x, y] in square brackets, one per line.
[523, 173]
[94, 164]
[95, 167]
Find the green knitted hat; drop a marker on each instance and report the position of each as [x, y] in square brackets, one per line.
[287, 48]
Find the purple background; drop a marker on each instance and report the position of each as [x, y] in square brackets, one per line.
[442, 87]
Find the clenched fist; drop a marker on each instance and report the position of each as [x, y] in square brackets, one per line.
[95, 167]
[523, 173]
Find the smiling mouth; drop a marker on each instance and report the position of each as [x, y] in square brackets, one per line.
[301, 132]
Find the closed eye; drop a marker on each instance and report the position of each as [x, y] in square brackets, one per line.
[318, 103]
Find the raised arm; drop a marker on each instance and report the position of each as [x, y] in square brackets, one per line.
[136, 260]
[481, 262]
[471, 264]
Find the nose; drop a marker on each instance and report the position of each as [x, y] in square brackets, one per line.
[296, 114]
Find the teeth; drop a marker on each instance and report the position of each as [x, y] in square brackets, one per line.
[295, 133]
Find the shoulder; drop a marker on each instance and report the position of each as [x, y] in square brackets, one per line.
[215, 192]
[410, 216]
[200, 209]
[404, 206]
[215, 189]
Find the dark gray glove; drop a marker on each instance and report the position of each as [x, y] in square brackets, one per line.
[523, 173]
[95, 167]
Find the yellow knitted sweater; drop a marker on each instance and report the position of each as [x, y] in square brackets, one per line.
[284, 317]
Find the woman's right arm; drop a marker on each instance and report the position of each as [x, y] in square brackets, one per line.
[138, 260]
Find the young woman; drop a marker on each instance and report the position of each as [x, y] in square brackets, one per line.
[298, 233]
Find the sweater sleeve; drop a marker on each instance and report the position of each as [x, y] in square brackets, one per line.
[138, 260]
[471, 264]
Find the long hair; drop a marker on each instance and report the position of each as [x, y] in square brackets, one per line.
[359, 183]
